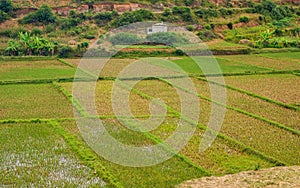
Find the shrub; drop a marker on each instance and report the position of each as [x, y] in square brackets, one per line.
[168, 38]
[88, 36]
[188, 2]
[124, 38]
[3, 16]
[184, 12]
[285, 22]
[103, 18]
[36, 31]
[69, 23]
[295, 32]
[278, 32]
[6, 6]
[167, 16]
[206, 13]
[66, 51]
[13, 33]
[206, 35]
[190, 28]
[207, 26]
[230, 25]
[131, 17]
[244, 19]
[50, 28]
[179, 52]
[43, 15]
[277, 12]
[225, 12]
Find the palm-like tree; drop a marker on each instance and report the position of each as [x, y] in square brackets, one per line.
[38, 44]
[25, 40]
[50, 47]
[13, 47]
[35, 45]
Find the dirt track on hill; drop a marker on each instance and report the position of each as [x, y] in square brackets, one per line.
[273, 177]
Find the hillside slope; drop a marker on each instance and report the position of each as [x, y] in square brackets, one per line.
[60, 3]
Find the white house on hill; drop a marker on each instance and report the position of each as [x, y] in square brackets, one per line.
[156, 28]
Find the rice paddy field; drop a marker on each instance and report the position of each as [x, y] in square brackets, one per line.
[41, 144]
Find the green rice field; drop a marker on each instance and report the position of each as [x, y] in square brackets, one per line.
[42, 146]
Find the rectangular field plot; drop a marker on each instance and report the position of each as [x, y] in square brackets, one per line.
[256, 106]
[32, 70]
[219, 158]
[33, 155]
[261, 136]
[264, 61]
[166, 174]
[33, 101]
[132, 105]
[285, 56]
[283, 88]
[258, 134]
[110, 69]
[226, 65]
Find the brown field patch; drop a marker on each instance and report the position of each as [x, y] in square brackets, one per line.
[283, 88]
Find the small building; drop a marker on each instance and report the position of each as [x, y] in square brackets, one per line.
[156, 28]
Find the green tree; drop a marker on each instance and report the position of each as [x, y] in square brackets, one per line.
[3, 16]
[6, 6]
[124, 38]
[43, 15]
[168, 38]
[131, 17]
[184, 12]
[244, 19]
[230, 25]
[277, 12]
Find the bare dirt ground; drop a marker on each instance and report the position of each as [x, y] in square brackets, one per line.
[273, 177]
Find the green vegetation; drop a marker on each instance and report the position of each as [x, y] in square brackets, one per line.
[34, 70]
[47, 103]
[41, 144]
[6, 10]
[39, 157]
[132, 17]
[124, 38]
[171, 39]
[30, 45]
[269, 8]
[249, 139]
[43, 16]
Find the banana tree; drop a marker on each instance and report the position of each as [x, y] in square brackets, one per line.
[266, 36]
[50, 47]
[25, 40]
[39, 44]
[13, 47]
